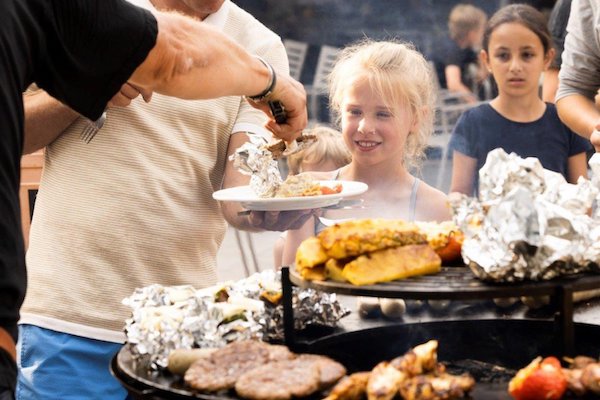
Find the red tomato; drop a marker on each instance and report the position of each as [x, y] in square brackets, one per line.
[540, 380]
[327, 190]
[451, 252]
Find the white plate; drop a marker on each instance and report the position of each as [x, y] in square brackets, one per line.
[250, 201]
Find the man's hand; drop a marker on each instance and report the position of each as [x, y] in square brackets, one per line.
[280, 220]
[127, 93]
[293, 97]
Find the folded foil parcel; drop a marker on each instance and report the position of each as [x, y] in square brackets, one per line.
[165, 318]
[528, 223]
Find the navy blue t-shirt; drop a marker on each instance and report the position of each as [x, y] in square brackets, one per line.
[482, 129]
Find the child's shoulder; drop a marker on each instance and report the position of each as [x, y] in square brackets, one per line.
[433, 203]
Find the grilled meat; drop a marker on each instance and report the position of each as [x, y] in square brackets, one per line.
[278, 148]
[436, 387]
[331, 370]
[353, 387]
[223, 367]
[280, 380]
[418, 360]
[384, 382]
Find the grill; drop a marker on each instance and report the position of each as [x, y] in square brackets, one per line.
[490, 348]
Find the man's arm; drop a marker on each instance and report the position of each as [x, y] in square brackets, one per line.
[580, 114]
[192, 60]
[45, 119]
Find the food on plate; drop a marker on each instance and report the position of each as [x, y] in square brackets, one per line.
[445, 238]
[391, 264]
[356, 237]
[541, 379]
[181, 359]
[221, 369]
[304, 185]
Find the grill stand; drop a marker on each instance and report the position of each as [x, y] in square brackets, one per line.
[560, 292]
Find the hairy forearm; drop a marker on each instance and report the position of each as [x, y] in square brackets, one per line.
[192, 60]
[578, 113]
[45, 119]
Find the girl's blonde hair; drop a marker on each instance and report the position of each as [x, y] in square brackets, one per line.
[463, 19]
[399, 74]
[329, 146]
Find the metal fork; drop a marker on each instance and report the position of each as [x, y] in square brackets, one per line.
[91, 128]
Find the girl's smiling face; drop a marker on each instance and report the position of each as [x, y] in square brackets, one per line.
[373, 131]
[515, 57]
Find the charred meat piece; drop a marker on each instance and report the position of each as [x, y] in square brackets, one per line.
[436, 387]
[574, 383]
[222, 368]
[590, 377]
[280, 380]
[353, 387]
[418, 360]
[278, 149]
[384, 382]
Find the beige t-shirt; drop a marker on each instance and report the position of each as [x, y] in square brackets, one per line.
[134, 207]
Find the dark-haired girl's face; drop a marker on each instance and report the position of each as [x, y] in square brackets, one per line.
[516, 59]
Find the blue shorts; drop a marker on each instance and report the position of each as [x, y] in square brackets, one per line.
[55, 365]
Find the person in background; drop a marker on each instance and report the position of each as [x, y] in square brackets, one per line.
[517, 49]
[557, 24]
[456, 58]
[383, 95]
[579, 77]
[140, 211]
[328, 153]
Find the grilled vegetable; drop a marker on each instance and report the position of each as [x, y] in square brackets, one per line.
[542, 379]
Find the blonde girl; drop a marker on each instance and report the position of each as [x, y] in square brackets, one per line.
[383, 97]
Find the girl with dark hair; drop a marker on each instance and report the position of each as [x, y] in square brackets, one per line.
[517, 48]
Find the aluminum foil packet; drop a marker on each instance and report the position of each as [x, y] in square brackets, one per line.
[255, 159]
[180, 317]
[528, 223]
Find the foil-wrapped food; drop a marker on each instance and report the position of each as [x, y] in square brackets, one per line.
[167, 318]
[528, 222]
[258, 159]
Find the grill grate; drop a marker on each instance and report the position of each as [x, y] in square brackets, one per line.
[453, 283]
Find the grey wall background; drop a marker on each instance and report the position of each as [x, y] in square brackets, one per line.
[339, 22]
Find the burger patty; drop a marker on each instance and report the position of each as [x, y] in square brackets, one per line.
[280, 380]
[221, 369]
[331, 370]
